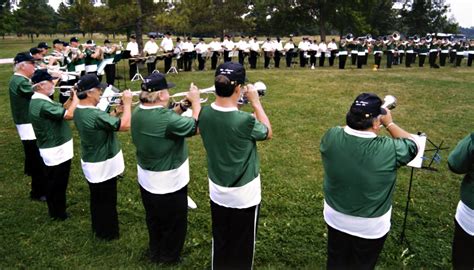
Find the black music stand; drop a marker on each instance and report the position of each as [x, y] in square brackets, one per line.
[436, 158]
[124, 55]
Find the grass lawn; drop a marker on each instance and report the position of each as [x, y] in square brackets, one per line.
[301, 104]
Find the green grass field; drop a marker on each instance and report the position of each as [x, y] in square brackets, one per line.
[301, 104]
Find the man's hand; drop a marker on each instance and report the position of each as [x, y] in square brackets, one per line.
[386, 119]
[127, 98]
[193, 94]
[251, 93]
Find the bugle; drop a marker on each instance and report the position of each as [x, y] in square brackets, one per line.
[113, 97]
[389, 102]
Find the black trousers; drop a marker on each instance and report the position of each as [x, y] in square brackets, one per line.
[312, 58]
[241, 57]
[378, 59]
[442, 59]
[432, 59]
[463, 246]
[180, 62]
[34, 167]
[342, 61]
[302, 59]
[459, 60]
[201, 62]
[188, 61]
[389, 59]
[452, 57]
[321, 59]
[353, 58]
[233, 236]
[421, 60]
[332, 57]
[470, 57]
[214, 58]
[226, 56]
[346, 251]
[166, 220]
[266, 60]
[360, 60]
[253, 59]
[103, 204]
[58, 178]
[277, 58]
[150, 67]
[289, 58]
[400, 56]
[132, 65]
[168, 61]
[110, 74]
[409, 59]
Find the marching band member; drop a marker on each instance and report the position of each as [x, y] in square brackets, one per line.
[20, 93]
[378, 52]
[167, 46]
[227, 46]
[38, 56]
[360, 47]
[101, 157]
[410, 53]
[202, 51]
[242, 46]
[358, 222]
[278, 47]
[132, 46]
[401, 50]
[452, 53]
[54, 140]
[459, 52]
[43, 46]
[342, 53]
[93, 57]
[77, 56]
[151, 50]
[254, 52]
[332, 47]
[188, 49]
[178, 51]
[303, 47]
[460, 161]
[216, 48]
[423, 51]
[268, 50]
[322, 50]
[163, 170]
[57, 57]
[390, 50]
[433, 53]
[109, 52]
[289, 52]
[229, 137]
[354, 51]
[444, 52]
[470, 57]
[313, 49]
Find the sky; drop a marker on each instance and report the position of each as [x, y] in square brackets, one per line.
[461, 10]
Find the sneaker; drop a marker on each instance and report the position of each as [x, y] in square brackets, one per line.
[191, 203]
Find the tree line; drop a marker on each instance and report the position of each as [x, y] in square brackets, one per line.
[219, 17]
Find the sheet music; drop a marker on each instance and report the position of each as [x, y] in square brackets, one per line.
[103, 104]
[420, 141]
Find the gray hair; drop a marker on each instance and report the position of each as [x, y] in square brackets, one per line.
[19, 66]
[149, 97]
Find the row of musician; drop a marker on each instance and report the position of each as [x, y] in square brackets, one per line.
[74, 58]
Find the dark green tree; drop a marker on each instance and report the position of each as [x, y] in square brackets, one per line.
[35, 17]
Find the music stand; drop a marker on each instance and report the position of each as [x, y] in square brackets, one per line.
[124, 55]
[137, 75]
[172, 69]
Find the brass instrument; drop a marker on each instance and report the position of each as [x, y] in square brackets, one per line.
[390, 102]
[114, 97]
[396, 36]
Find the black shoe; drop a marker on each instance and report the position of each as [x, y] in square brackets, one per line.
[38, 198]
[61, 217]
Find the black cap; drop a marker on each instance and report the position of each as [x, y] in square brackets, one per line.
[57, 41]
[106, 41]
[43, 45]
[189, 38]
[90, 41]
[367, 105]
[133, 36]
[65, 44]
[73, 39]
[156, 82]
[89, 81]
[168, 33]
[235, 72]
[41, 75]
[22, 57]
[34, 50]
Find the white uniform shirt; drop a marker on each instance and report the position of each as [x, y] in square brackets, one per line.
[215, 46]
[201, 47]
[133, 48]
[332, 46]
[242, 45]
[151, 47]
[188, 46]
[167, 44]
[278, 46]
[303, 46]
[313, 47]
[322, 47]
[254, 46]
[228, 45]
[289, 46]
[267, 46]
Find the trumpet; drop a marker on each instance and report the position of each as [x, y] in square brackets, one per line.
[113, 97]
[389, 102]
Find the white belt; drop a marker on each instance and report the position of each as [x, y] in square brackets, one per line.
[361, 53]
[343, 53]
[460, 53]
[471, 52]
[401, 51]
[453, 50]
[423, 53]
[445, 51]
[410, 51]
[433, 50]
[378, 52]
